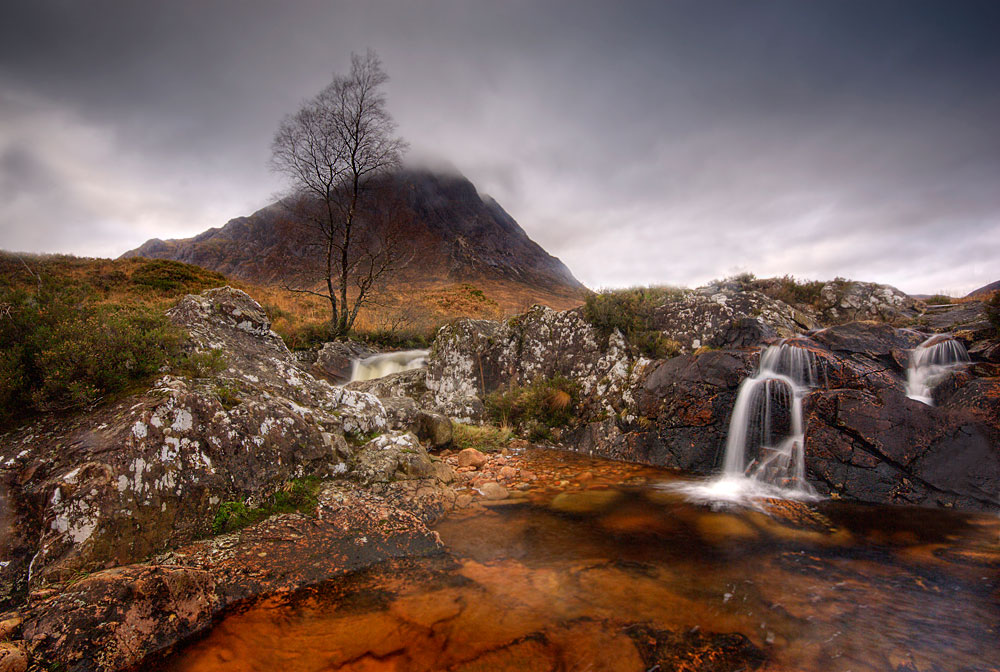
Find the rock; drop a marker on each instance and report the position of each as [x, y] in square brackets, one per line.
[472, 358]
[116, 618]
[334, 361]
[131, 478]
[844, 301]
[9, 627]
[391, 456]
[12, 658]
[410, 384]
[434, 428]
[508, 473]
[470, 457]
[493, 491]
[720, 316]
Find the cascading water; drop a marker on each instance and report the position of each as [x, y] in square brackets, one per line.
[930, 363]
[764, 448]
[377, 366]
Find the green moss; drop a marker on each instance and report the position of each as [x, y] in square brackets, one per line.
[297, 495]
[358, 439]
[228, 395]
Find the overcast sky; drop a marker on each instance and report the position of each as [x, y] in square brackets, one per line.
[643, 142]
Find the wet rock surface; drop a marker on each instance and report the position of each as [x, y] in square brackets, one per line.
[596, 568]
[116, 618]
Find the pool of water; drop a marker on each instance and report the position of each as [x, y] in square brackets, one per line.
[597, 567]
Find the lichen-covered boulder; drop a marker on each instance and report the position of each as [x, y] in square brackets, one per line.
[721, 316]
[472, 358]
[150, 471]
[842, 301]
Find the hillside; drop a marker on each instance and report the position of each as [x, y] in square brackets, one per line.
[984, 291]
[459, 237]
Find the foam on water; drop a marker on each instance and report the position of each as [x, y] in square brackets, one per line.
[384, 364]
[765, 455]
[930, 364]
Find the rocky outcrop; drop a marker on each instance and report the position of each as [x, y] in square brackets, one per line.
[150, 471]
[843, 301]
[724, 316]
[116, 618]
[472, 358]
[865, 439]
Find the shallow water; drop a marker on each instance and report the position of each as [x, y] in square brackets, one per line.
[579, 575]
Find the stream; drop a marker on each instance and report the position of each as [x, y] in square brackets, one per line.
[599, 567]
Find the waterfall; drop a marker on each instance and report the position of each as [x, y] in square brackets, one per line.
[930, 363]
[764, 454]
[377, 366]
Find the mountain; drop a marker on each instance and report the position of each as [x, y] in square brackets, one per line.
[458, 237]
[984, 291]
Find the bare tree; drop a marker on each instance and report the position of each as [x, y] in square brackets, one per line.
[332, 150]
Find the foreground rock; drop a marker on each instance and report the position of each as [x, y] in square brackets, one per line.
[116, 618]
[150, 471]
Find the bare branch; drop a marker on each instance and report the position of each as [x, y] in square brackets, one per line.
[331, 149]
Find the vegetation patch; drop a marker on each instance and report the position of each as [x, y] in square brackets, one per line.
[631, 312]
[59, 351]
[484, 438]
[790, 290]
[992, 305]
[297, 495]
[537, 408]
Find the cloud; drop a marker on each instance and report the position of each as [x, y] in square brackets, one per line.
[641, 143]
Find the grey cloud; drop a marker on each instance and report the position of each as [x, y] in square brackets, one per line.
[639, 141]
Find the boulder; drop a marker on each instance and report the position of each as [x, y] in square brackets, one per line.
[722, 316]
[844, 301]
[334, 361]
[150, 471]
[470, 457]
[392, 456]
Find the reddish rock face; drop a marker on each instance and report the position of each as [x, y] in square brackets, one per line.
[115, 618]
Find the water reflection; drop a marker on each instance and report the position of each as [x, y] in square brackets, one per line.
[627, 578]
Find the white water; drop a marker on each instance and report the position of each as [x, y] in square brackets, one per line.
[764, 455]
[377, 366]
[930, 363]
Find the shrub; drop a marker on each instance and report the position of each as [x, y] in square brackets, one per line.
[200, 364]
[297, 495]
[938, 300]
[631, 312]
[485, 438]
[545, 403]
[165, 275]
[993, 311]
[58, 351]
[791, 291]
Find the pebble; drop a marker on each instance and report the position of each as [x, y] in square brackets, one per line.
[493, 490]
[12, 658]
[9, 626]
[470, 457]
